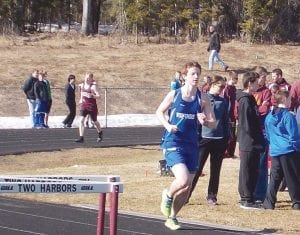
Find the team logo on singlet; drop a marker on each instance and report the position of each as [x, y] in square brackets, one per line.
[185, 116]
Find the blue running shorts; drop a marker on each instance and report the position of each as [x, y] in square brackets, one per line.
[187, 155]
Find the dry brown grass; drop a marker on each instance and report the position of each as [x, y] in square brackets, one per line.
[128, 64]
[137, 167]
[144, 65]
[120, 65]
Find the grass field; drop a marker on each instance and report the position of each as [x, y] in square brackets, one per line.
[144, 65]
[137, 167]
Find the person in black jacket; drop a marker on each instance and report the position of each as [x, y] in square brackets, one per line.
[70, 101]
[28, 89]
[250, 138]
[42, 99]
[214, 48]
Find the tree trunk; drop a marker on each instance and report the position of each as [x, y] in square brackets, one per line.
[95, 16]
[86, 17]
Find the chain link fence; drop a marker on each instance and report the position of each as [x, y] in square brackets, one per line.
[112, 101]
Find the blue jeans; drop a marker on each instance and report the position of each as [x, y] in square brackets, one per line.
[31, 107]
[262, 180]
[40, 110]
[214, 57]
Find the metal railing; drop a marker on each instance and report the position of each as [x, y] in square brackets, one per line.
[112, 101]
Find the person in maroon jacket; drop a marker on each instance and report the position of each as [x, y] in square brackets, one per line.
[295, 96]
[263, 100]
[279, 80]
[229, 94]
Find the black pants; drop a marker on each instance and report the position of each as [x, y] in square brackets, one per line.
[287, 166]
[215, 148]
[248, 174]
[72, 113]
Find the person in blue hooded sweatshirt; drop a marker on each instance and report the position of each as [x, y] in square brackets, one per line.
[282, 133]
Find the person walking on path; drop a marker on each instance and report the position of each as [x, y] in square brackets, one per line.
[214, 141]
[70, 88]
[250, 138]
[214, 48]
[263, 98]
[180, 142]
[28, 89]
[283, 136]
[88, 95]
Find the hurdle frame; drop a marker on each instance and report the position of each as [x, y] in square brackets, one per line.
[108, 181]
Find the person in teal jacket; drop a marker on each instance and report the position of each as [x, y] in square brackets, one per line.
[282, 133]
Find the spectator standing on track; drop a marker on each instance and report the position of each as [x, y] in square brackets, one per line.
[250, 138]
[88, 95]
[41, 95]
[28, 89]
[214, 48]
[214, 141]
[49, 103]
[279, 80]
[70, 89]
[283, 136]
[229, 93]
[263, 100]
[188, 107]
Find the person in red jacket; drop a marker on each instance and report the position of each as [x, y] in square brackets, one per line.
[263, 100]
[295, 96]
[229, 94]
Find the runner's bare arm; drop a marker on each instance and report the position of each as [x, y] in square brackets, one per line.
[162, 110]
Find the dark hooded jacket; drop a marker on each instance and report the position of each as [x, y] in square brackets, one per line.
[250, 136]
[214, 42]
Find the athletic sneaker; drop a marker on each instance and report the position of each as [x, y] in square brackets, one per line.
[172, 223]
[80, 140]
[166, 204]
[100, 136]
[249, 205]
[296, 206]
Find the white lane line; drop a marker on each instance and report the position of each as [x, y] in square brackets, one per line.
[20, 230]
[70, 221]
[46, 217]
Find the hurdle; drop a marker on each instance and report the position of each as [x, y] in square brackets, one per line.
[101, 184]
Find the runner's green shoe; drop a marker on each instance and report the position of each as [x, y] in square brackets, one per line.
[166, 204]
[172, 223]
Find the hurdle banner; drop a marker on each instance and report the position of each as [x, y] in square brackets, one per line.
[71, 184]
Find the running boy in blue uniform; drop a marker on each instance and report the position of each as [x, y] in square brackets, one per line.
[187, 109]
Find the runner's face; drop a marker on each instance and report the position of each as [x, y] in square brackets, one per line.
[192, 76]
